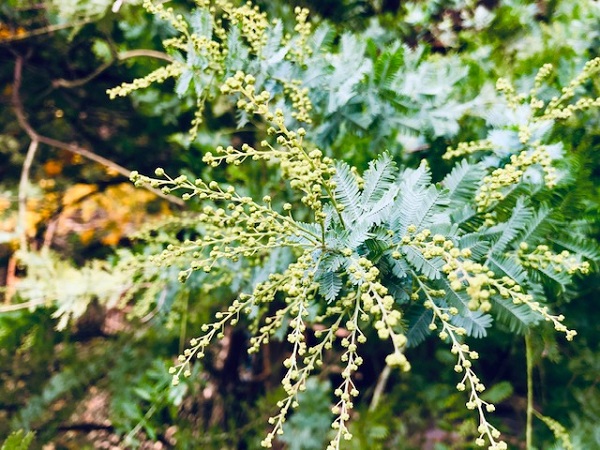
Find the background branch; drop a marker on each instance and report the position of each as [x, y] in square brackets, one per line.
[33, 146]
[45, 30]
[73, 148]
[61, 82]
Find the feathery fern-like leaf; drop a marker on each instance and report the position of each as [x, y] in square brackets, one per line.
[379, 179]
[465, 216]
[201, 21]
[462, 182]
[539, 225]
[322, 38]
[398, 267]
[507, 266]
[409, 202]
[578, 245]
[418, 326]
[521, 216]
[433, 201]
[516, 317]
[347, 192]
[475, 323]
[379, 212]
[477, 242]
[330, 284]
[19, 440]
[386, 67]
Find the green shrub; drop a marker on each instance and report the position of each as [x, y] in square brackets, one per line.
[386, 251]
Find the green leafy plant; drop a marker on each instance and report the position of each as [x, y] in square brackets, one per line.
[386, 250]
[18, 441]
[350, 193]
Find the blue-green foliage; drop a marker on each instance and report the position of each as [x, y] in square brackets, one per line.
[308, 428]
[393, 199]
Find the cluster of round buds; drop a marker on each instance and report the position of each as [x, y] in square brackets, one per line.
[589, 70]
[505, 87]
[428, 245]
[493, 185]
[467, 148]
[250, 102]
[300, 49]
[363, 270]
[253, 23]
[456, 265]
[298, 286]
[238, 228]
[308, 171]
[304, 359]
[500, 445]
[477, 279]
[347, 390]
[300, 100]
[176, 20]
[491, 190]
[566, 112]
[232, 155]
[544, 72]
[470, 381]
[462, 273]
[216, 329]
[542, 258]
[378, 306]
[211, 50]
[509, 289]
[172, 70]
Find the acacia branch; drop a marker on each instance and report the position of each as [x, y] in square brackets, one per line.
[61, 82]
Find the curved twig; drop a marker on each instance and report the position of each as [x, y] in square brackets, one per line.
[33, 146]
[25, 305]
[380, 387]
[61, 82]
[46, 30]
[73, 148]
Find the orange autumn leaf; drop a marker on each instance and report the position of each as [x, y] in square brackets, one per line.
[53, 168]
[77, 192]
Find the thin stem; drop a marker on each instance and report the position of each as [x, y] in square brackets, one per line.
[529, 357]
[33, 146]
[11, 279]
[73, 148]
[25, 305]
[45, 30]
[61, 82]
[380, 387]
[183, 329]
[23, 184]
